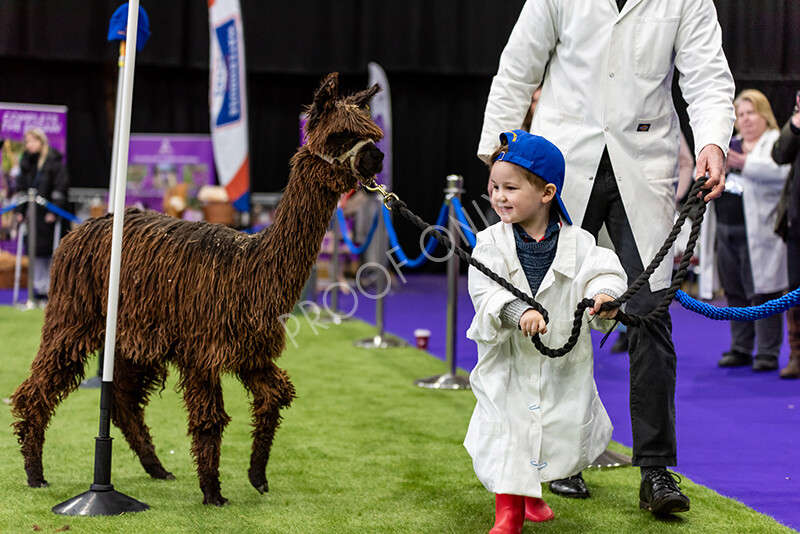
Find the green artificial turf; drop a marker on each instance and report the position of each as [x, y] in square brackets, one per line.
[361, 450]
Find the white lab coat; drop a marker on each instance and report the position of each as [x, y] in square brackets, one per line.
[607, 79]
[762, 180]
[536, 418]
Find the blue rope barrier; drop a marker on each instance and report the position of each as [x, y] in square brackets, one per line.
[8, 208]
[430, 246]
[58, 211]
[254, 229]
[466, 228]
[748, 313]
[355, 249]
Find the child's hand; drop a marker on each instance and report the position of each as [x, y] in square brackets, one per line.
[532, 323]
[599, 299]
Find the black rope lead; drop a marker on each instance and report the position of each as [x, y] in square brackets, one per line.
[626, 319]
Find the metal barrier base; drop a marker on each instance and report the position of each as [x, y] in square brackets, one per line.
[333, 318]
[380, 342]
[446, 381]
[611, 458]
[31, 305]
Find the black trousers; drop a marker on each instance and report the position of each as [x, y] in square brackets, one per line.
[652, 353]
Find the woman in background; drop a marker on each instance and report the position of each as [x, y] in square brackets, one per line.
[42, 168]
[751, 259]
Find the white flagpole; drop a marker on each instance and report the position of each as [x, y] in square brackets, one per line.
[102, 499]
[120, 182]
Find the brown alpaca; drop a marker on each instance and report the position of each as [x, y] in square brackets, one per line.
[201, 296]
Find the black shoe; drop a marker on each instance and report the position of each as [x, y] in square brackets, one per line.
[660, 494]
[765, 363]
[573, 487]
[735, 359]
[621, 344]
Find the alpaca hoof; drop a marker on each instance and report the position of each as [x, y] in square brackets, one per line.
[160, 473]
[38, 483]
[259, 483]
[217, 500]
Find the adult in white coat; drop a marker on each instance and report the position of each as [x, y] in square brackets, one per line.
[606, 71]
[750, 256]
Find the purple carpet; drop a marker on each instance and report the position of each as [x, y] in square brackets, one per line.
[738, 431]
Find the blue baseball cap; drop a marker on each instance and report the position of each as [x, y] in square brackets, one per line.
[539, 156]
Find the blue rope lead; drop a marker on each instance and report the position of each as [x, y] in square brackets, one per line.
[466, 228]
[354, 249]
[430, 246]
[8, 208]
[58, 211]
[749, 313]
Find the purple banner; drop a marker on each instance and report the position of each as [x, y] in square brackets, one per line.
[16, 119]
[157, 162]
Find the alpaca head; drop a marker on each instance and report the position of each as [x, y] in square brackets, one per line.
[338, 124]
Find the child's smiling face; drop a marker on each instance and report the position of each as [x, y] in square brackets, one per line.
[515, 198]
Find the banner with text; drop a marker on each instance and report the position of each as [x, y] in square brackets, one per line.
[158, 162]
[228, 101]
[16, 119]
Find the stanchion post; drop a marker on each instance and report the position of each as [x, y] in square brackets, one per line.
[21, 229]
[56, 233]
[31, 227]
[450, 380]
[380, 340]
[333, 315]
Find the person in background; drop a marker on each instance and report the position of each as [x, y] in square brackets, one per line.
[606, 70]
[42, 168]
[787, 150]
[751, 259]
[536, 418]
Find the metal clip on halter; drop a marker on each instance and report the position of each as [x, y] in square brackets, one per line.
[374, 186]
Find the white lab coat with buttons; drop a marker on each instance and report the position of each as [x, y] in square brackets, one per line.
[607, 80]
[536, 418]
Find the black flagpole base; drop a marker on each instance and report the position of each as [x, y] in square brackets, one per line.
[101, 499]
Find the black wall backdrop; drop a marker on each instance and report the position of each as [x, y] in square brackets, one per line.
[439, 56]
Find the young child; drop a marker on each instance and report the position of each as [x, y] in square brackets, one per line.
[537, 418]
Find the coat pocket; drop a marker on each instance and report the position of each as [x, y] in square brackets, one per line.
[654, 45]
[658, 139]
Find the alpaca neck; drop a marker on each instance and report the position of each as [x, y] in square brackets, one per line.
[293, 242]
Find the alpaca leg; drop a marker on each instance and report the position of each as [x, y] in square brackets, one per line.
[54, 374]
[271, 390]
[207, 420]
[132, 387]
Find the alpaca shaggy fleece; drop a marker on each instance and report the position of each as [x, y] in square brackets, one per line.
[203, 297]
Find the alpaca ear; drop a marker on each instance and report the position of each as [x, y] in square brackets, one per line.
[363, 98]
[323, 98]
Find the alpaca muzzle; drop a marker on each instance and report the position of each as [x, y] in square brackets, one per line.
[349, 155]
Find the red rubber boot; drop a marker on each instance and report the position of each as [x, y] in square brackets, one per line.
[536, 510]
[509, 512]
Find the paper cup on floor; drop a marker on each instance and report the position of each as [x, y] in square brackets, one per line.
[422, 336]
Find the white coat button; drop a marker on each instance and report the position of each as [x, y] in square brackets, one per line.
[610, 74]
[534, 379]
[535, 425]
[591, 178]
[606, 128]
[543, 475]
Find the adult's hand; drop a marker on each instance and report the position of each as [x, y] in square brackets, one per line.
[711, 162]
[796, 116]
